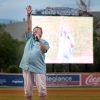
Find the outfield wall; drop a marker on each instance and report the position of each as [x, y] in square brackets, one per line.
[54, 80]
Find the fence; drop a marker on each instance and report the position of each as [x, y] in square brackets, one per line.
[54, 80]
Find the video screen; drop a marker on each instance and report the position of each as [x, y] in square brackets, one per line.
[70, 38]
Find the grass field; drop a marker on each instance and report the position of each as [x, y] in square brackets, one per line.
[53, 94]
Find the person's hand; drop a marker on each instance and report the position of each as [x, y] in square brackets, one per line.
[29, 10]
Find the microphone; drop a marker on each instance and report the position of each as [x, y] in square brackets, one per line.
[34, 33]
[37, 37]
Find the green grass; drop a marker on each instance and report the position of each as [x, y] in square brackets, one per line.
[19, 94]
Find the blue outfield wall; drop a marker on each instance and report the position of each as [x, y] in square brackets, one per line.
[53, 80]
[11, 80]
[63, 80]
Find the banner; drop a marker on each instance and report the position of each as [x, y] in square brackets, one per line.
[10, 80]
[53, 80]
[90, 79]
[63, 80]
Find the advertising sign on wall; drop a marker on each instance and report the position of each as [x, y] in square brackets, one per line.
[53, 80]
[90, 79]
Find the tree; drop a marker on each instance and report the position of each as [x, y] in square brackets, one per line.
[9, 49]
[96, 44]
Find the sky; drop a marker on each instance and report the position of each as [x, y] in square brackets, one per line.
[16, 9]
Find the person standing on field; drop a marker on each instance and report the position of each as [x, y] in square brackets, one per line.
[33, 60]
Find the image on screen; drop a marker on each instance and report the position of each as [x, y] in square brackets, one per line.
[70, 38]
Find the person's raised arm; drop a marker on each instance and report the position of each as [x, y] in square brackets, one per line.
[28, 22]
